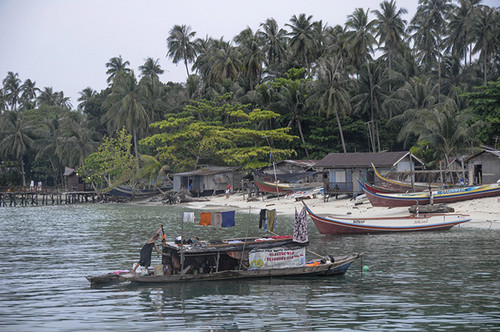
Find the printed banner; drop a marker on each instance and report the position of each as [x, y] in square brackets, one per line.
[276, 258]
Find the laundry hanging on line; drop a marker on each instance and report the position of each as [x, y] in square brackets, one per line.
[188, 217]
[228, 219]
[271, 220]
[205, 218]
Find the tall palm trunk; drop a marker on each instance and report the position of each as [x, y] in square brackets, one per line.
[340, 131]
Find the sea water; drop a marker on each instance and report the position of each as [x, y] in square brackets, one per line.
[416, 281]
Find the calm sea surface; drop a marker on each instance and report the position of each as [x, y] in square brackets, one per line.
[421, 281]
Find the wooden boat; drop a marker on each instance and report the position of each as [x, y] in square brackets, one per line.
[396, 186]
[237, 259]
[328, 224]
[283, 187]
[438, 196]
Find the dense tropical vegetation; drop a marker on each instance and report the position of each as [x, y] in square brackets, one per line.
[378, 82]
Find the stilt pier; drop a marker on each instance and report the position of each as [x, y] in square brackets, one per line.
[27, 198]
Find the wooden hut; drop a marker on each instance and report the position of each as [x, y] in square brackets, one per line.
[208, 180]
[341, 171]
[484, 166]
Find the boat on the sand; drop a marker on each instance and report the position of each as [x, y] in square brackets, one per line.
[329, 224]
[437, 196]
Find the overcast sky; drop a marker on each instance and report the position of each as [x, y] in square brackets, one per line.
[65, 44]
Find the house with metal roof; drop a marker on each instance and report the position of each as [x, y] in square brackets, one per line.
[341, 171]
[484, 166]
[208, 180]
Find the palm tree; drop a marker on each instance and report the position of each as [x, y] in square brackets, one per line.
[151, 68]
[332, 90]
[302, 39]
[226, 62]
[116, 65]
[459, 28]
[274, 40]
[76, 141]
[12, 89]
[180, 46]
[485, 31]
[28, 97]
[125, 109]
[17, 137]
[448, 130]
[250, 46]
[359, 38]
[48, 97]
[371, 96]
[292, 97]
[429, 25]
[390, 29]
[85, 95]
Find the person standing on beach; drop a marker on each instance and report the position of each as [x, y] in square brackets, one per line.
[228, 190]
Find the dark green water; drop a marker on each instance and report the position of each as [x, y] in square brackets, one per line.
[417, 282]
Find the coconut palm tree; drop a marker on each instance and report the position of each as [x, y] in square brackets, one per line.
[17, 136]
[29, 94]
[151, 68]
[85, 95]
[429, 25]
[450, 131]
[116, 65]
[302, 39]
[125, 109]
[390, 29]
[226, 62]
[359, 38]
[485, 31]
[12, 90]
[292, 97]
[459, 28]
[274, 40]
[250, 46]
[372, 87]
[180, 46]
[332, 89]
[76, 141]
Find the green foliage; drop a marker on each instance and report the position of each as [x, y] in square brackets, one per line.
[485, 103]
[425, 152]
[217, 132]
[113, 163]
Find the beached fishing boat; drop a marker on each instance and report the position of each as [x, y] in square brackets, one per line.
[438, 196]
[396, 186]
[267, 257]
[328, 224]
[283, 187]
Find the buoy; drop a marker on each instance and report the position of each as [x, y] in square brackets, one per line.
[366, 268]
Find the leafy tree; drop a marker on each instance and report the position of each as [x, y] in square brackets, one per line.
[218, 133]
[484, 101]
[112, 165]
[359, 38]
[274, 41]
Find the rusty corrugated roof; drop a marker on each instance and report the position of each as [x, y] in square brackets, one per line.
[208, 170]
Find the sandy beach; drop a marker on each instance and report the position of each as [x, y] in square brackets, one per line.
[485, 212]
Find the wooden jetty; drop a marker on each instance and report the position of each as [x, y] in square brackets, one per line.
[25, 198]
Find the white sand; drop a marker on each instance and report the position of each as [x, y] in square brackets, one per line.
[485, 212]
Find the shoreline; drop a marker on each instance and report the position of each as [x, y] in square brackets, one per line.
[484, 212]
